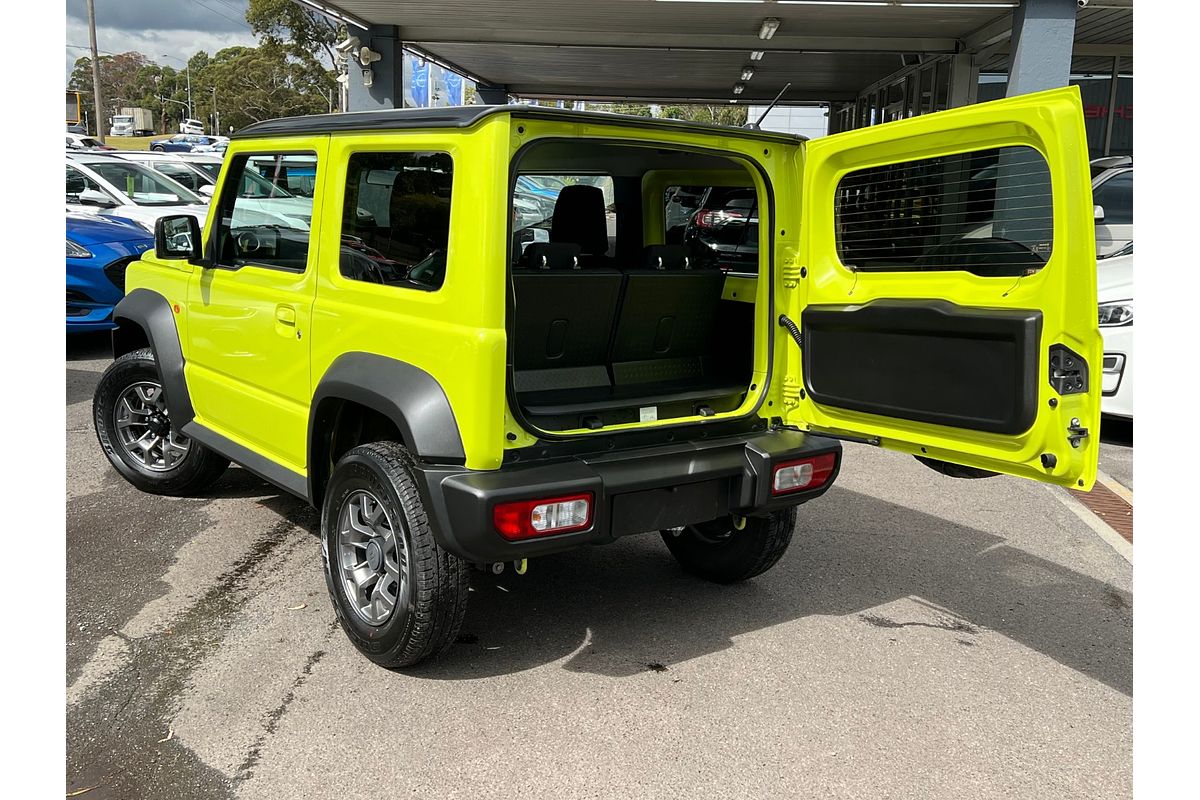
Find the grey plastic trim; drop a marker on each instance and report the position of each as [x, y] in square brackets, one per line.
[407, 395]
[151, 311]
[263, 467]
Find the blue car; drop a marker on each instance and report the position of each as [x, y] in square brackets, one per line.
[98, 251]
[180, 143]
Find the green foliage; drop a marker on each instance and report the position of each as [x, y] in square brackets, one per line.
[734, 115]
[257, 83]
[302, 33]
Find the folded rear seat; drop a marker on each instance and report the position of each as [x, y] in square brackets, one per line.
[564, 319]
[667, 321]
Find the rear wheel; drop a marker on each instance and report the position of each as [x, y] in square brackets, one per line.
[135, 429]
[720, 552]
[399, 596]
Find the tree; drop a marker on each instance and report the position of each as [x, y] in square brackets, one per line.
[731, 114]
[299, 31]
[258, 83]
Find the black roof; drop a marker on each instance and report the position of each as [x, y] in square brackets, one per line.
[466, 116]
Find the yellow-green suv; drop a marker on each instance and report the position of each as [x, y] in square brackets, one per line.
[470, 336]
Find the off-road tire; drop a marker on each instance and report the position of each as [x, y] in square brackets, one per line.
[718, 552]
[194, 472]
[430, 607]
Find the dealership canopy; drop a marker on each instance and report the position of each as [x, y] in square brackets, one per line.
[715, 50]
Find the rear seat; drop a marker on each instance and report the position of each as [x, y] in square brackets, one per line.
[564, 319]
[667, 319]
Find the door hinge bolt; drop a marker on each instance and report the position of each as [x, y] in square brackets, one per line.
[1076, 433]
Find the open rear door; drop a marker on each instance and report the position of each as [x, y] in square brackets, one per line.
[947, 301]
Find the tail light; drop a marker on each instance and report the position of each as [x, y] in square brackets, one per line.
[526, 519]
[806, 473]
[708, 218]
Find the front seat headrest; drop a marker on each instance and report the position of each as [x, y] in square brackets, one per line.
[579, 217]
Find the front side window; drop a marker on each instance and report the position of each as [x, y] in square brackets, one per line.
[143, 186]
[261, 228]
[85, 191]
[396, 218]
[1115, 196]
[988, 212]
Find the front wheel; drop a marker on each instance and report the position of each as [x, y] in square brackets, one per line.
[134, 427]
[719, 551]
[399, 596]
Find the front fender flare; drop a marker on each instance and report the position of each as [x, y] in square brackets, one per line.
[150, 311]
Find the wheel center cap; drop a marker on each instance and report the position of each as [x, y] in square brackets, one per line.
[374, 555]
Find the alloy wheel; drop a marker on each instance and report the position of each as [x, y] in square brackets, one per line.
[372, 557]
[144, 428]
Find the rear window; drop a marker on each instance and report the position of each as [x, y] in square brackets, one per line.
[988, 212]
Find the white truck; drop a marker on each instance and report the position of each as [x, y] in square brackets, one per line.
[132, 122]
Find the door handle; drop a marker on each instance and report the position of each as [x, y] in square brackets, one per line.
[285, 315]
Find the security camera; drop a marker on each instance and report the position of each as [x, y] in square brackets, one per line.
[349, 46]
[367, 56]
[1081, 3]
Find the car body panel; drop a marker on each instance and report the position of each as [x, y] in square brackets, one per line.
[108, 240]
[1114, 283]
[252, 384]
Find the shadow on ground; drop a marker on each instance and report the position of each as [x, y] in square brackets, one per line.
[621, 609]
[1116, 430]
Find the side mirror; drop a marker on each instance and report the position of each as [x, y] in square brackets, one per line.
[177, 236]
[1098, 213]
[75, 183]
[208, 190]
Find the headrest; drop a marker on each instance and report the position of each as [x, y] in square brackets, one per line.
[579, 218]
[550, 255]
[666, 257]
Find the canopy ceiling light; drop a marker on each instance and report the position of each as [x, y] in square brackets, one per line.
[756, 55]
[769, 26]
[747, 73]
[738, 88]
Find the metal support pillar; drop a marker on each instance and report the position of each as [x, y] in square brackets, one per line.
[386, 76]
[1110, 117]
[964, 80]
[1043, 35]
[491, 95]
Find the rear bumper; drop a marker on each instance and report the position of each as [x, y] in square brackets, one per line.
[635, 490]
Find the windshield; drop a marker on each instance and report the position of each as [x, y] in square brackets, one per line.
[143, 186]
[122, 119]
[212, 170]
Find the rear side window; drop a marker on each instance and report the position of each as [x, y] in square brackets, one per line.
[988, 212]
[396, 219]
[722, 232]
[1115, 196]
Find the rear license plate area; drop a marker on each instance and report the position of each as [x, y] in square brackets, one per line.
[669, 507]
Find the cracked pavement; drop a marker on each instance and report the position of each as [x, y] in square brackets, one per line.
[924, 637]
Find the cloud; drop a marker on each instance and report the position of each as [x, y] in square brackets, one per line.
[154, 27]
[214, 16]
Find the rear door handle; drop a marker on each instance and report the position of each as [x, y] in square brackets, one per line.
[285, 315]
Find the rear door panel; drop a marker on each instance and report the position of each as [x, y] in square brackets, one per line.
[947, 301]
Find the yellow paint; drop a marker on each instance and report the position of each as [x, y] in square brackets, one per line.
[252, 379]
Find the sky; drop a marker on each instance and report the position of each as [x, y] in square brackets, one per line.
[155, 27]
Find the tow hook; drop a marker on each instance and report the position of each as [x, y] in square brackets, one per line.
[521, 567]
[739, 523]
[1075, 432]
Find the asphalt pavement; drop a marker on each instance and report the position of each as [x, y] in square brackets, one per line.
[924, 637]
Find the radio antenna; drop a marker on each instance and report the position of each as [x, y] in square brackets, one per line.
[757, 123]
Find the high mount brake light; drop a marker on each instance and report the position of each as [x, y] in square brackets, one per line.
[526, 519]
[806, 473]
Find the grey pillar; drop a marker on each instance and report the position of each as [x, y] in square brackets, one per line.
[964, 80]
[1043, 35]
[387, 74]
[491, 95]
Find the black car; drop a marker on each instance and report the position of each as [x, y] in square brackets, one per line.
[723, 232]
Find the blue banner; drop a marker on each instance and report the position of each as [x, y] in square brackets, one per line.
[420, 82]
[454, 88]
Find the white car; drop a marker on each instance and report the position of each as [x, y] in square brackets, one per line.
[1114, 291]
[99, 183]
[1112, 194]
[77, 141]
[175, 167]
[193, 126]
